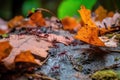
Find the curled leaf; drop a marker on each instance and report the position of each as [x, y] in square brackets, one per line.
[37, 18]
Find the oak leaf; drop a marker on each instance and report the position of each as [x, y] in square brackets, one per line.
[89, 35]
[86, 16]
[89, 31]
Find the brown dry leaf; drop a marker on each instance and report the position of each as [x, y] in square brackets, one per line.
[5, 49]
[15, 22]
[57, 38]
[37, 18]
[22, 57]
[25, 43]
[2, 31]
[89, 35]
[70, 23]
[38, 46]
[110, 14]
[101, 13]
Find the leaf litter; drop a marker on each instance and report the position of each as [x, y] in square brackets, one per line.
[44, 50]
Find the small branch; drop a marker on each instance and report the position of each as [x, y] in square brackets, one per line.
[115, 51]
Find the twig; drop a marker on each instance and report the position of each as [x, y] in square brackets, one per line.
[115, 51]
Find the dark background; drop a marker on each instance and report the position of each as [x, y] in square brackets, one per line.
[11, 8]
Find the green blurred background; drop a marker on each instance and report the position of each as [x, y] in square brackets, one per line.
[62, 8]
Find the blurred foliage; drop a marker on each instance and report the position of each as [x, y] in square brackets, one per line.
[70, 7]
[11, 8]
[29, 4]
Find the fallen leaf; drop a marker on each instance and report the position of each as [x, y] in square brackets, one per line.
[86, 16]
[15, 22]
[57, 38]
[22, 57]
[110, 14]
[37, 18]
[2, 31]
[89, 35]
[34, 20]
[5, 49]
[101, 13]
[89, 32]
[25, 43]
[112, 42]
[109, 24]
[38, 46]
[70, 23]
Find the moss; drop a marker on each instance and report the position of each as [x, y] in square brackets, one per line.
[105, 75]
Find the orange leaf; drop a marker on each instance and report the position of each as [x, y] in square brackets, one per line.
[89, 32]
[22, 57]
[2, 31]
[37, 18]
[101, 13]
[15, 22]
[86, 16]
[5, 49]
[89, 35]
[110, 14]
[70, 23]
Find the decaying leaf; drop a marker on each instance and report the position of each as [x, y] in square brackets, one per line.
[37, 46]
[15, 22]
[110, 14]
[70, 23]
[57, 38]
[2, 31]
[112, 42]
[101, 13]
[89, 35]
[5, 49]
[22, 57]
[37, 18]
[26, 43]
[109, 24]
